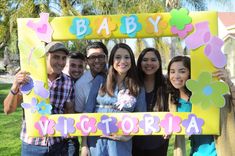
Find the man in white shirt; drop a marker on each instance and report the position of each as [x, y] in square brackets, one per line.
[97, 56]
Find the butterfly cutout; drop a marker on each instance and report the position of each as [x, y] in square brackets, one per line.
[32, 106]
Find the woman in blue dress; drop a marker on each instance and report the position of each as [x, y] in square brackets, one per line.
[178, 74]
[149, 67]
[106, 96]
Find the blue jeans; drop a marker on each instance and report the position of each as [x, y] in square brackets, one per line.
[33, 150]
[73, 147]
[107, 147]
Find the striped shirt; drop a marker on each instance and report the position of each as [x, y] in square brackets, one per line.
[61, 92]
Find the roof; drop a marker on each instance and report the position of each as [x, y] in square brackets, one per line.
[226, 22]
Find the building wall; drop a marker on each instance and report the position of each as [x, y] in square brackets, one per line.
[229, 50]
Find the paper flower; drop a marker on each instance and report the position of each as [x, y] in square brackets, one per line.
[128, 125]
[207, 92]
[155, 24]
[213, 44]
[105, 26]
[124, 99]
[44, 108]
[193, 125]
[27, 87]
[40, 90]
[65, 126]
[180, 18]
[80, 27]
[107, 125]
[130, 25]
[42, 28]
[86, 125]
[150, 124]
[182, 33]
[45, 126]
[171, 123]
[32, 106]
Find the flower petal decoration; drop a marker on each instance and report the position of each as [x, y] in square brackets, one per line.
[207, 92]
[108, 125]
[128, 125]
[44, 108]
[80, 27]
[40, 90]
[45, 126]
[193, 125]
[182, 33]
[86, 125]
[105, 26]
[171, 123]
[180, 18]
[150, 124]
[130, 25]
[65, 126]
[155, 24]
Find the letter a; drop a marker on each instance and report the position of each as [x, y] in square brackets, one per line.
[104, 25]
[193, 124]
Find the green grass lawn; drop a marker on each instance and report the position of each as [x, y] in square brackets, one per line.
[10, 126]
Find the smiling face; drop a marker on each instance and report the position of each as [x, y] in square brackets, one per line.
[96, 60]
[76, 68]
[56, 62]
[178, 75]
[122, 61]
[150, 63]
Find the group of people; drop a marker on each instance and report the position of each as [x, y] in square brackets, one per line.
[143, 84]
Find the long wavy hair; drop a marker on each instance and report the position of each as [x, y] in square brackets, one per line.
[160, 94]
[175, 93]
[131, 81]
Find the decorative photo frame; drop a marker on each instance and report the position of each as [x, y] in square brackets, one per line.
[198, 29]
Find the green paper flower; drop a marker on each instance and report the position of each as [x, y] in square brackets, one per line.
[207, 92]
[180, 18]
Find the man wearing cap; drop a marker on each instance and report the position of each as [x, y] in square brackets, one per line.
[60, 86]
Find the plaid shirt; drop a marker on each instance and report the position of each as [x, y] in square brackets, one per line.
[61, 92]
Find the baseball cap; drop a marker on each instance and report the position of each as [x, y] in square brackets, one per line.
[55, 46]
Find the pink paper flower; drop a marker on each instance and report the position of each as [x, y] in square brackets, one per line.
[128, 125]
[86, 125]
[45, 126]
[171, 123]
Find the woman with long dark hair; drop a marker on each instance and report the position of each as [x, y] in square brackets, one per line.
[149, 67]
[107, 96]
[178, 74]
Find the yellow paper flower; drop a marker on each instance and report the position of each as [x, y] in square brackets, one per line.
[105, 26]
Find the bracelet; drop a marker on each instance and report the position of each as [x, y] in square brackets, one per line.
[14, 93]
